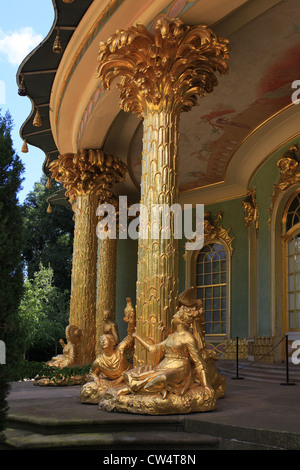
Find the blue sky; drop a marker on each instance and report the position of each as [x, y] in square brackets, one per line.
[23, 25]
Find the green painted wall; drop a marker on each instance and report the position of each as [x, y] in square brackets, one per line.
[264, 179]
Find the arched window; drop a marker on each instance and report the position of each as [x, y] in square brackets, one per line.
[211, 283]
[291, 237]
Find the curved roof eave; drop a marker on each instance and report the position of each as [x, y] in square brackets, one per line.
[38, 70]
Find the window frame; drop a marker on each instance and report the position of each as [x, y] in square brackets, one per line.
[193, 267]
[287, 236]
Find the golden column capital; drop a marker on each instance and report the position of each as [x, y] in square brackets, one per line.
[88, 171]
[165, 70]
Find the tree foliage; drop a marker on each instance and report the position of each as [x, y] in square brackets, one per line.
[48, 236]
[43, 311]
[11, 242]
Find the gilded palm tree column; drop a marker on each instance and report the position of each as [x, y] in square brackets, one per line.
[88, 177]
[106, 284]
[157, 277]
[162, 74]
[84, 274]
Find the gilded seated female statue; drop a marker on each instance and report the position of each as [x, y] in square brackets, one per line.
[177, 384]
[68, 359]
[69, 355]
[181, 366]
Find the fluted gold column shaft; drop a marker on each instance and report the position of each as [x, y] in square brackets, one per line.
[106, 285]
[84, 274]
[157, 281]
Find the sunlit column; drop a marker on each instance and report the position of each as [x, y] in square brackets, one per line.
[88, 177]
[162, 73]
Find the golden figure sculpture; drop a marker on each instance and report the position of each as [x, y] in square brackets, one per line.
[250, 208]
[68, 359]
[109, 325]
[179, 379]
[70, 350]
[174, 373]
[108, 368]
[289, 168]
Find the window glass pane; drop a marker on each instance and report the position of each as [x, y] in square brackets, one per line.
[217, 291]
[291, 320]
[208, 316]
[293, 213]
[297, 281]
[291, 301]
[291, 283]
[216, 328]
[200, 293]
[297, 295]
[297, 262]
[199, 268]
[208, 292]
[216, 267]
[293, 277]
[223, 315]
[199, 280]
[218, 247]
[291, 263]
[291, 247]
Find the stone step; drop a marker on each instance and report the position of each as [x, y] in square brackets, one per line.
[52, 425]
[260, 371]
[20, 439]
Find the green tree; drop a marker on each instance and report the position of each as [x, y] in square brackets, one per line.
[43, 312]
[48, 236]
[11, 243]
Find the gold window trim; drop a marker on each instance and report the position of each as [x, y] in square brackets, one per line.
[214, 232]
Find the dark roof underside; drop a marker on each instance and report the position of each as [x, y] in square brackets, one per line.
[39, 69]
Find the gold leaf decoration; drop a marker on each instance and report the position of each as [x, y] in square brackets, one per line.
[88, 171]
[166, 70]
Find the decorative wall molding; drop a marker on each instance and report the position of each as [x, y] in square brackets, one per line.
[288, 165]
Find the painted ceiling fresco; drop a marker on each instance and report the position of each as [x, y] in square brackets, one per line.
[265, 60]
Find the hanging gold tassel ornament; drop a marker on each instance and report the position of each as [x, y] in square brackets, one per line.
[37, 122]
[49, 210]
[48, 185]
[57, 45]
[22, 88]
[24, 147]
